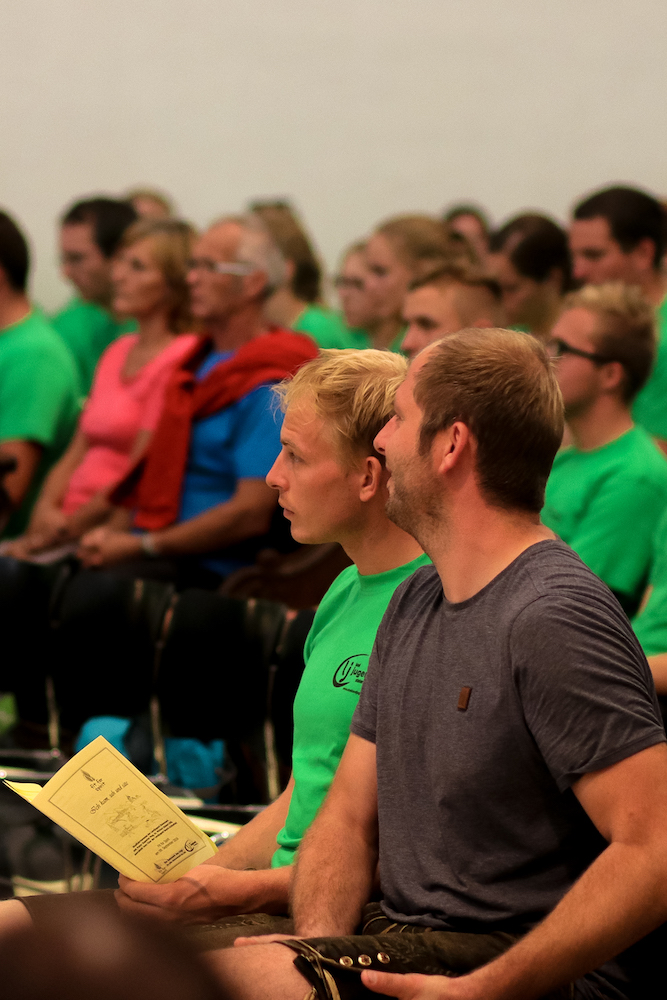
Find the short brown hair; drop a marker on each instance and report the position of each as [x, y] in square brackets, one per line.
[353, 391]
[626, 329]
[460, 272]
[502, 385]
[172, 242]
[422, 243]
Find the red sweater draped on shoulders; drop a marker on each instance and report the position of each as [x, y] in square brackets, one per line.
[153, 486]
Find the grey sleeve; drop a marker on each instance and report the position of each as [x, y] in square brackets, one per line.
[584, 685]
[364, 720]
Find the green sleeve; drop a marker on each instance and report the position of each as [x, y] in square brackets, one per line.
[35, 389]
[614, 539]
[650, 624]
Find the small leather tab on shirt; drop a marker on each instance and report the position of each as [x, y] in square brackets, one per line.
[464, 698]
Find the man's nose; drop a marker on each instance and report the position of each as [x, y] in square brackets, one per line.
[380, 437]
[273, 477]
[580, 270]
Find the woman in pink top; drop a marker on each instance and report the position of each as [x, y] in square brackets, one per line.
[149, 280]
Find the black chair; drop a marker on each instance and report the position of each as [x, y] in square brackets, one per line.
[213, 678]
[27, 594]
[104, 634]
[287, 668]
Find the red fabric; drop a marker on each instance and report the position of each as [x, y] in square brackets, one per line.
[153, 486]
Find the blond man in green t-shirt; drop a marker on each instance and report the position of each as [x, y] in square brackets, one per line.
[332, 485]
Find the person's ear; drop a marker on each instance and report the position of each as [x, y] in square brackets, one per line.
[644, 254]
[612, 376]
[449, 446]
[254, 284]
[372, 477]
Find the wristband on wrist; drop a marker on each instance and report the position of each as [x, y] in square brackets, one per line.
[148, 546]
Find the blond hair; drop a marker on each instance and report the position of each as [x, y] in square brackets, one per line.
[171, 246]
[501, 384]
[351, 391]
[626, 331]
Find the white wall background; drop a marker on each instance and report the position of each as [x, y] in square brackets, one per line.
[357, 109]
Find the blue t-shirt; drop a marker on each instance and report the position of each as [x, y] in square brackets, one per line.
[240, 442]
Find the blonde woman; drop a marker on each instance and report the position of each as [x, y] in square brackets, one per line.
[149, 285]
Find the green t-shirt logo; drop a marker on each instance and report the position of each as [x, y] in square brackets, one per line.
[350, 674]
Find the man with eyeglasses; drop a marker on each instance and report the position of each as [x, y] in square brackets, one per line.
[608, 489]
[201, 505]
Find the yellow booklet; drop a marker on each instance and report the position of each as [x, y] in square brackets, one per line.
[105, 802]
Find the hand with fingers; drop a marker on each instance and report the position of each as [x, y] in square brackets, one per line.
[205, 894]
[104, 547]
[414, 986]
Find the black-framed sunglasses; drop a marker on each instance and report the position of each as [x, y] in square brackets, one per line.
[557, 348]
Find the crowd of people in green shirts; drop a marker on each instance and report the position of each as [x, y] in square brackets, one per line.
[608, 489]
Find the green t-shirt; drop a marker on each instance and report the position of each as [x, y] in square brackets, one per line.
[651, 624]
[39, 397]
[650, 406]
[88, 329]
[606, 504]
[336, 652]
[328, 329]
[361, 340]
[325, 327]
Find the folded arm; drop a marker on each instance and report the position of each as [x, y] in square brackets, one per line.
[17, 483]
[246, 514]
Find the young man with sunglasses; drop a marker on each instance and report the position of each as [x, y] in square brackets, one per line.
[608, 489]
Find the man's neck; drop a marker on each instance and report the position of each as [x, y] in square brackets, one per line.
[283, 308]
[237, 328]
[603, 422]
[379, 545]
[14, 306]
[477, 542]
[385, 332]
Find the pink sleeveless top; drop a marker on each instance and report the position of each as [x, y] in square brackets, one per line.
[116, 410]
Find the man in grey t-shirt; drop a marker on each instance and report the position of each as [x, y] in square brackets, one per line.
[507, 763]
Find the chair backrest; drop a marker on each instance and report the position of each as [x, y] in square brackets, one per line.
[289, 666]
[299, 579]
[103, 645]
[25, 599]
[212, 681]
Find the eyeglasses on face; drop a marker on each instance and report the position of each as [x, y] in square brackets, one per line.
[239, 268]
[342, 282]
[557, 348]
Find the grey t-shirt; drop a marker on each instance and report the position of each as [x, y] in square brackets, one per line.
[484, 713]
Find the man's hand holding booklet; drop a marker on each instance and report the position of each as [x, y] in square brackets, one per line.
[113, 809]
